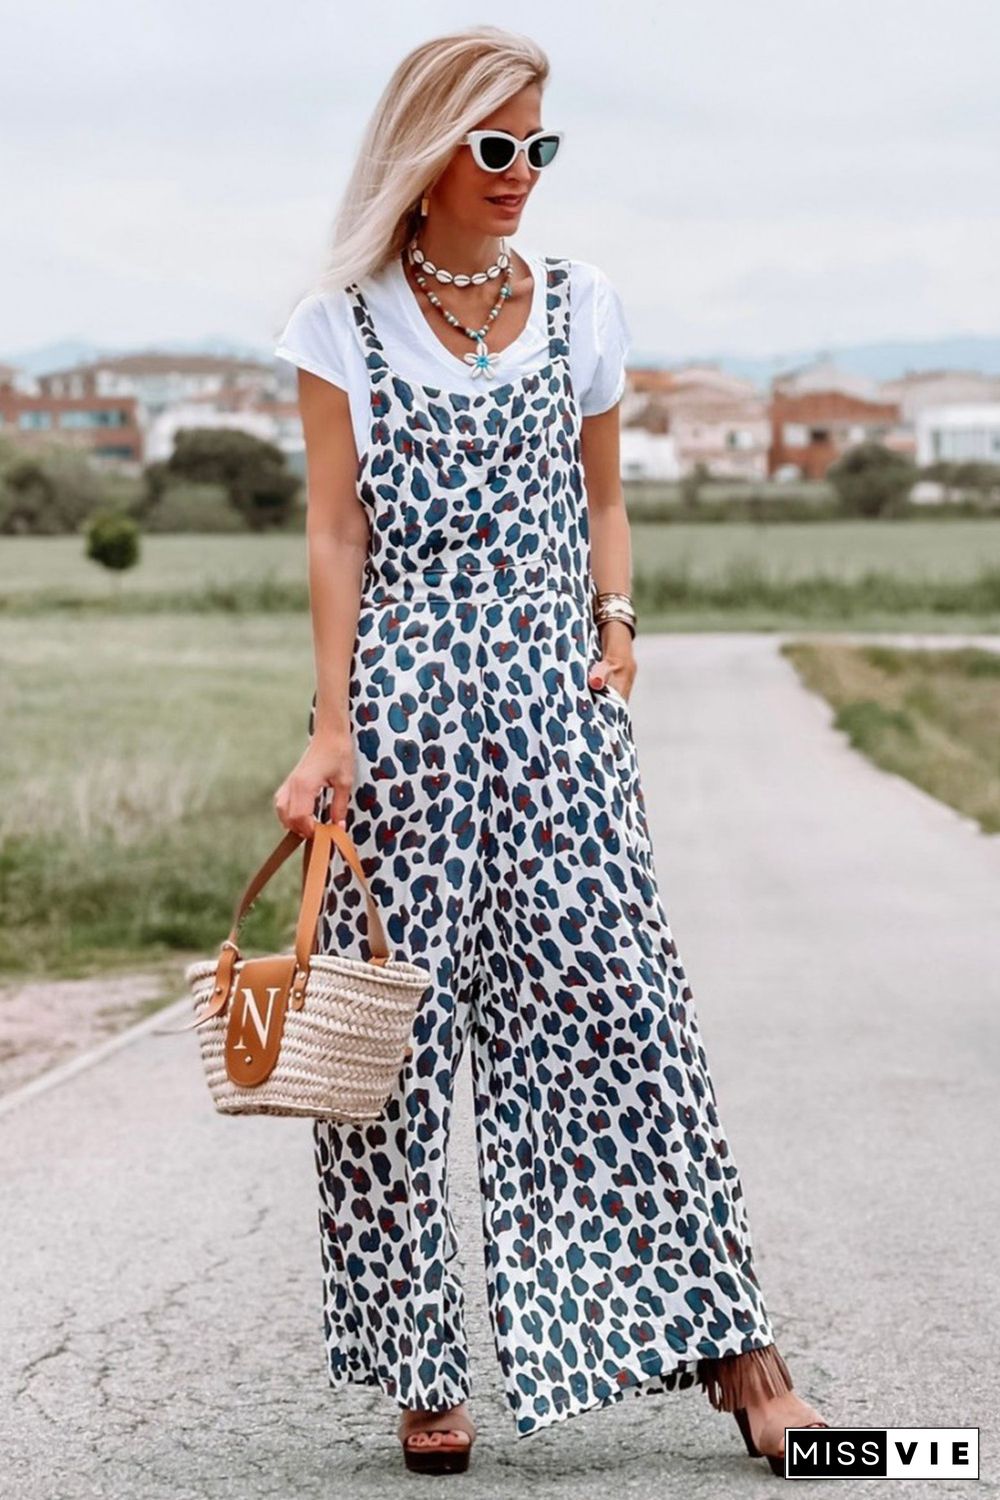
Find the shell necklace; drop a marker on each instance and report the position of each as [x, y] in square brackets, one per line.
[481, 360]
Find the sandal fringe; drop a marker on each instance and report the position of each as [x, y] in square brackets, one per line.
[737, 1380]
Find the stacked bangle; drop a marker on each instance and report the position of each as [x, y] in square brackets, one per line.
[610, 605]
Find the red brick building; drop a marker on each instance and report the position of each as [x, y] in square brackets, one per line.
[159, 381]
[103, 426]
[811, 429]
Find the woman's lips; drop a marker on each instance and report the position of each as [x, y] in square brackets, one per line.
[507, 201]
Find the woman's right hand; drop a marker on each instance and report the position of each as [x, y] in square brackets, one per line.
[328, 760]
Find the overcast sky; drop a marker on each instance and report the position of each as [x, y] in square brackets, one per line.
[754, 177]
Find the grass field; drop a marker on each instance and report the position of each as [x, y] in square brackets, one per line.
[935, 575]
[950, 550]
[137, 767]
[931, 716]
[137, 772]
[57, 566]
[945, 550]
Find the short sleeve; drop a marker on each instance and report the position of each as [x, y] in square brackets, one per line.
[612, 339]
[309, 340]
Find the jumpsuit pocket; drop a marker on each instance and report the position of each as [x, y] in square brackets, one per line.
[616, 696]
[608, 690]
[612, 695]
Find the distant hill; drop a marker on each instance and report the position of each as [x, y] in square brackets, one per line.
[881, 361]
[67, 352]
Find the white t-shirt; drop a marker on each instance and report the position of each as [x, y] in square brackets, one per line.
[321, 336]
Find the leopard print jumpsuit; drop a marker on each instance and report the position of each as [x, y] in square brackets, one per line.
[498, 812]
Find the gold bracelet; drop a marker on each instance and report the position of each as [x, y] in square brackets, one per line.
[612, 600]
[603, 620]
[610, 604]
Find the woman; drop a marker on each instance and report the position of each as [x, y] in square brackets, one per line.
[469, 578]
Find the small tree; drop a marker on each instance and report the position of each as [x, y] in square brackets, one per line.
[112, 539]
[871, 480]
[691, 485]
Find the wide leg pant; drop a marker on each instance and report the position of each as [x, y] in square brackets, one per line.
[499, 814]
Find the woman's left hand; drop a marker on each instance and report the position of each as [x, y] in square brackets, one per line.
[617, 664]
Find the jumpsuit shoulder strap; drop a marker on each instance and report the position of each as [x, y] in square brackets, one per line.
[365, 327]
[557, 305]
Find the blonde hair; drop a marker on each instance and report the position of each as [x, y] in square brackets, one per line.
[437, 92]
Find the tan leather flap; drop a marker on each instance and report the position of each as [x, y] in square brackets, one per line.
[257, 1017]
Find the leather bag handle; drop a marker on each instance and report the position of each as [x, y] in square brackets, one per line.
[320, 843]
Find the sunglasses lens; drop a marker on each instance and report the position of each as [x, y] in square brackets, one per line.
[496, 151]
[542, 151]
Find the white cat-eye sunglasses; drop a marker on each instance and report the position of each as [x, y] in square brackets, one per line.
[496, 150]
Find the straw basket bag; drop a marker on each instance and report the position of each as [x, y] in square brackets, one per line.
[304, 1033]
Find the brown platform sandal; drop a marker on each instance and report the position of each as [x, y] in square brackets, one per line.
[777, 1461]
[448, 1449]
[733, 1380]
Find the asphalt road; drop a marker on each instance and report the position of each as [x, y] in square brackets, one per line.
[161, 1324]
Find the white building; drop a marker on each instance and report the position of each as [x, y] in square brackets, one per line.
[959, 434]
[711, 417]
[648, 455]
[922, 388]
[278, 423]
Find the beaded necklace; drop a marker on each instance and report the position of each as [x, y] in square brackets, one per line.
[482, 361]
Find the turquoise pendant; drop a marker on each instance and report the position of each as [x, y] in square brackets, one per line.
[482, 361]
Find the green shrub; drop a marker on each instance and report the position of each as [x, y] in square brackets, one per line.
[113, 540]
[47, 492]
[254, 473]
[871, 480]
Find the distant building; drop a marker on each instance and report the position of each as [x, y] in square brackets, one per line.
[821, 376]
[275, 422]
[648, 455]
[919, 389]
[818, 411]
[709, 416]
[16, 379]
[105, 427]
[959, 433]
[158, 381]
